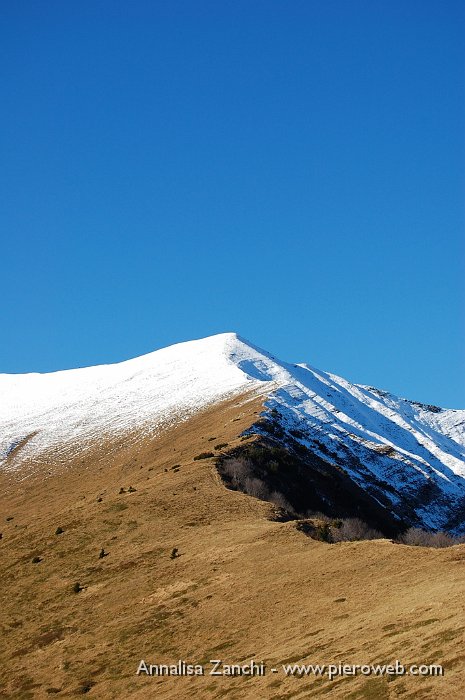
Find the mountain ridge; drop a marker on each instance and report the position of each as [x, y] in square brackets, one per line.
[125, 543]
[397, 449]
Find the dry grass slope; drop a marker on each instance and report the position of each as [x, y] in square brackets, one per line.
[242, 586]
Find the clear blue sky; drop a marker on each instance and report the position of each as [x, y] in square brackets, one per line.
[293, 171]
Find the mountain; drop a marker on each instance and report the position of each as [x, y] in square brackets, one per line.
[128, 531]
[403, 459]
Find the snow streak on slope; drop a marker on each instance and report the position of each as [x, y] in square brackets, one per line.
[401, 447]
[410, 454]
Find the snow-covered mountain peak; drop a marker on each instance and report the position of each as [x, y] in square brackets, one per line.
[81, 405]
[370, 433]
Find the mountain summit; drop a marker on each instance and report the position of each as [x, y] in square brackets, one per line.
[408, 456]
[208, 501]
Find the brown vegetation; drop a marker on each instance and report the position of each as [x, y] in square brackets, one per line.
[241, 585]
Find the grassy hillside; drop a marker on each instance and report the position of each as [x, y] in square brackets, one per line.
[241, 585]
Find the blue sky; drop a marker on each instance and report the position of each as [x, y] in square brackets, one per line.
[293, 171]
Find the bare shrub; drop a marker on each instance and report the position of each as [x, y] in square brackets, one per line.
[443, 539]
[416, 537]
[352, 529]
[281, 501]
[237, 470]
[256, 487]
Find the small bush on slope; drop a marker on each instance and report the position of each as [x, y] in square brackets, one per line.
[416, 537]
[320, 527]
[352, 529]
